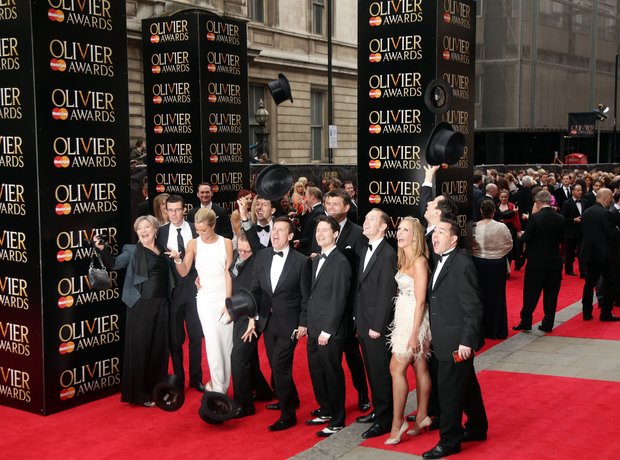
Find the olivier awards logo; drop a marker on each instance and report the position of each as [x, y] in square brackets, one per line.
[394, 157]
[173, 153]
[174, 183]
[93, 14]
[224, 123]
[13, 293]
[390, 121]
[171, 93]
[459, 84]
[85, 198]
[456, 189]
[12, 199]
[9, 54]
[13, 246]
[226, 63]
[226, 152]
[391, 49]
[224, 93]
[387, 12]
[14, 339]
[88, 333]
[395, 85]
[89, 377]
[226, 181]
[14, 384]
[76, 291]
[222, 32]
[459, 119]
[10, 104]
[394, 192]
[169, 31]
[455, 49]
[172, 61]
[172, 123]
[457, 13]
[84, 152]
[81, 58]
[83, 105]
[75, 244]
[11, 153]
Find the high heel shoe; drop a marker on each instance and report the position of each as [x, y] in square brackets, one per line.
[396, 440]
[421, 428]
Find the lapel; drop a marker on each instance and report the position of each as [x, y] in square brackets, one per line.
[267, 272]
[371, 262]
[341, 243]
[285, 270]
[315, 264]
[443, 273]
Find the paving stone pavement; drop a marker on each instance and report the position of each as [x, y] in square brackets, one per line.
[533, 353]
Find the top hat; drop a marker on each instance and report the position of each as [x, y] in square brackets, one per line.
[216, 408]
[241, 304]
[169, 395]
[280, 89]
[274, 182]
[444, 145]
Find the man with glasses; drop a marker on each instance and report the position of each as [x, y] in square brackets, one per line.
[183, 310]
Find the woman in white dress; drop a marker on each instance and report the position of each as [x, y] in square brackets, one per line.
[213, 255]
[410, 334]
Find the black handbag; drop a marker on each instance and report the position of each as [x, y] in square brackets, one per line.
[98, 278]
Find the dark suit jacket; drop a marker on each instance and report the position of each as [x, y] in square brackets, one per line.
[599, 235]
[560, 196]
[222, 224]
[543, 236]
[307, 229]
[524, 200]
[426, 195]
[478, 195]
[185, 286]
[376, 288]
[284, 307]
[328, 296]
[455, 307]
[352, 214]
[243, 279]
[570, 212]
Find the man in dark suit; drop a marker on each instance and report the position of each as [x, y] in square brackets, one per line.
[314, 199]
[456, 314]
[245, 364]
[563, 193]
[478, 195]
[615, 217]
[259, 234]
[543, 272]
[183, 310]
[331, 278]
[350, 189]
[376, 288]
[222, 224]
[572, 210]
[351, 242]
[524, 201]
[280, 287]
[599, 238]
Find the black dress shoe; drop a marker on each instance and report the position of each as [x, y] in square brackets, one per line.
[610, 318]
[587, 316]
[363, 403]
[199, 386]
[521, 327]
[473, 436]
[244, 412]
[282, 425]
[316, 412]
[273, 406]
[544, 329]
[434, 424]
[376, 430]
[370, 418]
[440, 452]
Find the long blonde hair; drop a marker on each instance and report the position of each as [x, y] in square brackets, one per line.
[418, 246]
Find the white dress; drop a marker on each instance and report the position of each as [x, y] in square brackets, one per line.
[402, 324]
[211, 297]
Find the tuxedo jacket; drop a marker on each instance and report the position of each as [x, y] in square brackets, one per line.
[524, 200]
[185, 287]
[570, 212]
[307, 229]
[352, 214]
[254, 240]
[478, 196]
[455, 308]
[375, 291]
[243, 278]
[543, 236]
[222, 222]
[560, 196]
[328, 296]
[284, 307]
[599, 235]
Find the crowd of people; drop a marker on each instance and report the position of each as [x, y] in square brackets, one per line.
[343, 288]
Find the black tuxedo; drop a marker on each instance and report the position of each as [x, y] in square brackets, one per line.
[456, 313]
[352, 214]
[560, 196]
[222, 222]
[326, 313]
[281, 310]
[184, 313]
[573, 233]
[307, 229]
[478, 196]
[376, 288]
[615, 215]
[543, 272]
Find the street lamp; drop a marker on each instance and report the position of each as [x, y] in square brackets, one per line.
[262, 116]
[601, 115]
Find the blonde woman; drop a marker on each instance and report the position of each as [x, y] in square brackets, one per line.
[410, 334]
[159, 208]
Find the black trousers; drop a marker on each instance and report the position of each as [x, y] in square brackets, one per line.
[377, 357]
[572, 248]
[594, 271]
[184, 313]
[245, 367]
[459, 392]
[355, 363]
[280, 352]
[536, 281]
[325, 363]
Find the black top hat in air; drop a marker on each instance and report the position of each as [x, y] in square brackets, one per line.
[274, 182]
[169, 395]
[241, 305]
[216, 408]
[444, 145]
[280, 89]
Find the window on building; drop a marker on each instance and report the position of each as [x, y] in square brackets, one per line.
[316, 125]
[256, 93]
[256, 10]
[318, 17]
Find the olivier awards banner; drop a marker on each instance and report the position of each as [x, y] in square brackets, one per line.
[64, 153]
[196, 92]
[406, 50]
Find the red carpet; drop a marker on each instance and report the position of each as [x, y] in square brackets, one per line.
[595, 329]
[531, 417]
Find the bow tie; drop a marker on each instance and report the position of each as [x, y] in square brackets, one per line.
[323, 256]
[442, 258]
[278, 253]
[577, 201]
[369, 247]
[260, 228]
